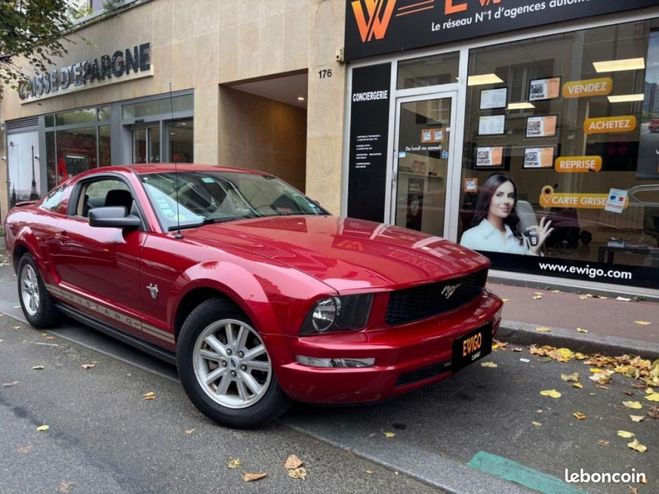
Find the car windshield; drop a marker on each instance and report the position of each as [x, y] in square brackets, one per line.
[186, 199]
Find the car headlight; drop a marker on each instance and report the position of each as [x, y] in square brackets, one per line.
[349, 312]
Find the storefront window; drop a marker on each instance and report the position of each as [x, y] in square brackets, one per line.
[104, 113]
[162, 106]
[83, 115]
[76, 151]
[180, 134]
[565, 129]
[428, 71]
[104, 158]
[50, 160]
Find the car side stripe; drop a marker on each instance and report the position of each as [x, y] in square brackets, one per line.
[111, 313]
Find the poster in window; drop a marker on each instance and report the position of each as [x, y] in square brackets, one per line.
[541, 126]
[539, 158]
[493, 125]
[489, 157]
[543, 89]
[647, 163]
[414, 203]
[494, 98]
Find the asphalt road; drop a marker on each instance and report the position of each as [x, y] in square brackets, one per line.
[104, 437]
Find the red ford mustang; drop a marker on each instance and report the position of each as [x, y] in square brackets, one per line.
[252, 289]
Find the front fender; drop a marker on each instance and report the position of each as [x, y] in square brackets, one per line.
[275, 298]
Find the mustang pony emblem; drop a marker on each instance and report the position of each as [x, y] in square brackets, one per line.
[449, 290]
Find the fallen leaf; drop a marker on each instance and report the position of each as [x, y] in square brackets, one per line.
[48, 337]
[580, 356]
[88, 366]
[562, 354]
[370, 472]
[555, 291]
[636, 446]
[518, 349]
[525, 360]
[293, 462]
[9, 385]
[189, 431]
[652, 397]
[24, 449]
[585, 296]
[149, 396]
[626, 434]
[250, 477]
[570, 378]
[234, 463]
[580, 415]
[537, 293]
[504, 300]
[38, 367]
[536, 424]
[636, 418]
[636, 405]
[602, 442]
[649, 391]
[577, 385]
[17, 327]
[298, 473]
[643, 323]
[552, 393]
[64, 487]
[389, 435]
[43, 428]
[624, 299]
[543, 329]
[582, 330]
[653, 412]
[537, 297]
[489, 364]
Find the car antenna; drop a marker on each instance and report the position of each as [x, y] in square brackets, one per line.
[178, 234]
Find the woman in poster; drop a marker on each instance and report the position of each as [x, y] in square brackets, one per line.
[497, 223]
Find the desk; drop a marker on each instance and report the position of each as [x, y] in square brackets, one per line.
[607, 252]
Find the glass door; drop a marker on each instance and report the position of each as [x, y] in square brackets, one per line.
[422, 164]
[146, 144]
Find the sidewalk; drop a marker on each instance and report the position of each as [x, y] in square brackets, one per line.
[613, 326]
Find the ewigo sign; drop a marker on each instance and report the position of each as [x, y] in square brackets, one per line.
[375, 27]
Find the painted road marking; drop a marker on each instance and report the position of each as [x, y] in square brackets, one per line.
[512, 471]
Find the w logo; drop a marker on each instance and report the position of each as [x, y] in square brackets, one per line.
[373, 22]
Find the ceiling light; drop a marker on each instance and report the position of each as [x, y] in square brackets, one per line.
[618, 65]
[477, 80]
[624, 98]
[522, 105]
[300, 98]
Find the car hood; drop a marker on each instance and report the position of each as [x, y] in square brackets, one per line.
[345, 253]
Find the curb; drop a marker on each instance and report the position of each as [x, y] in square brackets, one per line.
[525, 334]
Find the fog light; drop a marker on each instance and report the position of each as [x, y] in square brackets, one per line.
[335, 362]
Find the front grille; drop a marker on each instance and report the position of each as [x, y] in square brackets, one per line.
[424, 301]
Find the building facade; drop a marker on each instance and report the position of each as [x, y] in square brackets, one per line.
[410, 112]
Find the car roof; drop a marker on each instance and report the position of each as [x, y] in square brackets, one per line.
[142, 169]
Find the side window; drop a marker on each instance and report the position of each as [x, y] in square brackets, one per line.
[99, 193]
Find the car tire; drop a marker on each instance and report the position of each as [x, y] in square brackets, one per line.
[37, 304]
[225, 367]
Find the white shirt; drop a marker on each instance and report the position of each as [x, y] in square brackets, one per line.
[485, 236]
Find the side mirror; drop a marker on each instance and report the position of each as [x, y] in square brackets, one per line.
[113, 217]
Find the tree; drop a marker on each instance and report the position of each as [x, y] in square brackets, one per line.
[31, 35]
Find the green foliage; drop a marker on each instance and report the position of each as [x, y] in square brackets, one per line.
[31, 35]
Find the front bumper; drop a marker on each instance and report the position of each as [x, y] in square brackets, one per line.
[407, 356]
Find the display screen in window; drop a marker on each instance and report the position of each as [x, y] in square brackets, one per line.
[564, 181]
